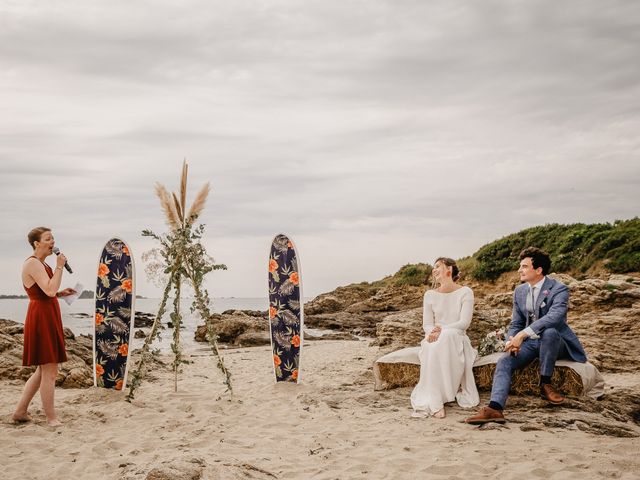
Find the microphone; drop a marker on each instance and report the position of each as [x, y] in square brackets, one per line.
[56, 250]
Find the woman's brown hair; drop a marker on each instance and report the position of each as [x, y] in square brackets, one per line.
[450, 262]
[35, 235]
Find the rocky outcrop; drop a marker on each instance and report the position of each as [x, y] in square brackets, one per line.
[339, 299]
[400, 329]
[238, 328]
[363, 298]
[249, 328]
[75, 373]
[360, 308]
[363, 324]
[390, 299]
[143, 320]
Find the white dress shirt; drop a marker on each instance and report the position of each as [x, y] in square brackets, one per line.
[538, 286]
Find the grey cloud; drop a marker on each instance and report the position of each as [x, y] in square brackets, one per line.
[411, 122]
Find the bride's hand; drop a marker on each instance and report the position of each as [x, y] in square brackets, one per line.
[434, 335]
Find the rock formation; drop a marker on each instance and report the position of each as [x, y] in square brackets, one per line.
[77, 372]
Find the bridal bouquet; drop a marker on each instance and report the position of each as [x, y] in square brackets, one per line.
[493, 342]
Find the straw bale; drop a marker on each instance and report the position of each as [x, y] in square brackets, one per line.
[395, 375]
[525, 381]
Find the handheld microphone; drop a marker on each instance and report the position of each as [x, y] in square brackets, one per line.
[56, 250]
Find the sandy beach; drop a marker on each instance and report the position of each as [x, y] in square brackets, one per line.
[333, 426]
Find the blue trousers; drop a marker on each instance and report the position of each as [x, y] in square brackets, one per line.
[547, 349]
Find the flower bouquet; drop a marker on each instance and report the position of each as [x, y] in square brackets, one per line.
[493, 342]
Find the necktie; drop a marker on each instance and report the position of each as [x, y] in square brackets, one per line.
[531, 305]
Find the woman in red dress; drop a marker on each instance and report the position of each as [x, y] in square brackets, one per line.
[43, 336]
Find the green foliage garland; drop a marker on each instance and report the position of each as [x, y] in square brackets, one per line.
[183, 258]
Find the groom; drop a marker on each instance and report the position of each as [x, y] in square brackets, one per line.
[538, 329]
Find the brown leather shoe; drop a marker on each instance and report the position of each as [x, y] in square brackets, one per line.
[550, 394]
[486, 415]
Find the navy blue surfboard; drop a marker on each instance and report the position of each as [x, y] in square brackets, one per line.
[286, 317]
[114, 315]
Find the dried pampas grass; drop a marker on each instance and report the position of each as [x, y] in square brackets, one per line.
[179, 208]
[175, 208]
[199, 202]
[183, 188]
[171, 215]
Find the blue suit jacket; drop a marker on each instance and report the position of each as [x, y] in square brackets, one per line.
[551, 306]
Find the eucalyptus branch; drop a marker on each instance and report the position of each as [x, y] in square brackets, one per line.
[138, 374]
[176, 318]
[201, 302]
[148, 233]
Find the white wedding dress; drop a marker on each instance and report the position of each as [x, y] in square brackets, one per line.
[446, 365]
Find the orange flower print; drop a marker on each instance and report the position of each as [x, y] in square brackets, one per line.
[123, 349]
[99, 318]
[273, 311]
[125, 250]
[295, 279]
[294, 374]
[126, 285]
[276, 360]
[295, 341]
[118, 385]
[103, 270]
[273, 265]
[99, 370]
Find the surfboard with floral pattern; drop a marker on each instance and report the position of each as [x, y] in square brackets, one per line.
[114, 314]
[286, 317]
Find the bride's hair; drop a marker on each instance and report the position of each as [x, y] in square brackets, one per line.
[449, 262]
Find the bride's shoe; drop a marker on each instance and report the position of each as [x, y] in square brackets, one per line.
[419, 414]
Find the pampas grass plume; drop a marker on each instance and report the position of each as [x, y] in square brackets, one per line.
[171, 215]
[199, 202]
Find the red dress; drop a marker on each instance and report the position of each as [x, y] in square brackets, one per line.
[43, 336]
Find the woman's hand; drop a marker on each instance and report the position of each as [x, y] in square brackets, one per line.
[435, 334]
[66, 292]
[60, 261]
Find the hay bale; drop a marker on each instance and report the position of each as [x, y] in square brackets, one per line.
[525, 381]
[395, 375]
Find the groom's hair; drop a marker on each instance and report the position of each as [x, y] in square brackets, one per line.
[539, 258]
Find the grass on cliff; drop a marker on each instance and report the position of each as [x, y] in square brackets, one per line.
[413, 274]
[574, 248]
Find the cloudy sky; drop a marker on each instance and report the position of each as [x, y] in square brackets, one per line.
[374, 132]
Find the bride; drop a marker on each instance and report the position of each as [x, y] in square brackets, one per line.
[446, 355]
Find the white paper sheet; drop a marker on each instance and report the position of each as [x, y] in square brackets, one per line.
[72, 298]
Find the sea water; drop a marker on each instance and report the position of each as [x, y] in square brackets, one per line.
[79, 316]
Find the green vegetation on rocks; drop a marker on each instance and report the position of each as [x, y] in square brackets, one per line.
[412, 274]
[574, 248]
